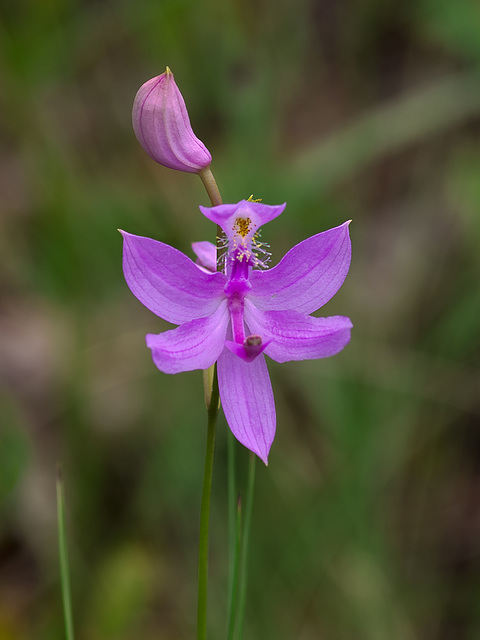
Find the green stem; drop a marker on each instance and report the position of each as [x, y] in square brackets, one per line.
[205, 513]
[209, 182]
[245, 543]
[62, 546]
[234, 535]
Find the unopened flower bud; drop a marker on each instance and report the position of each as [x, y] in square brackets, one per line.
[162, 126]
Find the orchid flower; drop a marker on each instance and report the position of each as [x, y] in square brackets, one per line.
[237, 317]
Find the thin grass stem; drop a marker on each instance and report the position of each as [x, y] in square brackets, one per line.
[62, 547]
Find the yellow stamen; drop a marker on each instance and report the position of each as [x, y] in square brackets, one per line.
[242, 226]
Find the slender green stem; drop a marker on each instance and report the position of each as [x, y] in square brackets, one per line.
[205, 513]
[234, 535]
[212, 401]
[234, 509]
[64, 569]
[210, 184]
[245, 542]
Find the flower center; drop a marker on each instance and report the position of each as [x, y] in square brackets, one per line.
[242, 250]
[242, 226]
[245, 246]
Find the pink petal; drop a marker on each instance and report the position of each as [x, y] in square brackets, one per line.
[225, 214]
[247, 401]
[307, 276]
[294, 336]
[193, 345]
[167, 282]
[250, 349]
[206, 253]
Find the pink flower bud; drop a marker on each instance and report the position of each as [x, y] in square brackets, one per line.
[162, 126]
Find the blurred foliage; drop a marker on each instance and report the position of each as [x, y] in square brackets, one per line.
[367, 520]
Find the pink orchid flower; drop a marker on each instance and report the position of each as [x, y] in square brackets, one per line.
[238, 317]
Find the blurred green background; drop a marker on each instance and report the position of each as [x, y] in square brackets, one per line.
[366, 523]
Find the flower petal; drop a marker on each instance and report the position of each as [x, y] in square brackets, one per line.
[247, 401]
[307, 276]
[193, 345]
[206, 253]
[297, 337]
[167, 282]
[259, 214]
[250, 349]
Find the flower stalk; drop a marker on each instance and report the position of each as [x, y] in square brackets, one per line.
[210, 184]
[205, 514]
[212, 401]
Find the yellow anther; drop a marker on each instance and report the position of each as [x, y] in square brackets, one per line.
[243, 226]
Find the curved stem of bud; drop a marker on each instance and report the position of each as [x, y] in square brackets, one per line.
[210, 184]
